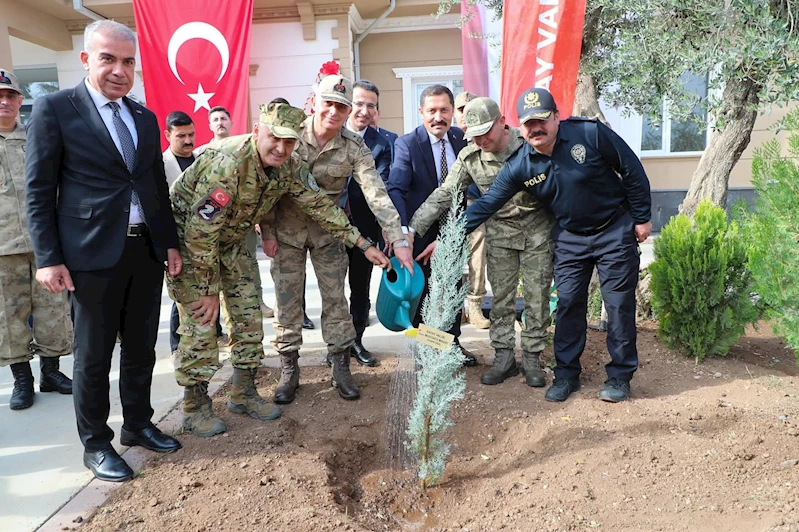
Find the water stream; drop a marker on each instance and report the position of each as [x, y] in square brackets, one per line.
[401, 395]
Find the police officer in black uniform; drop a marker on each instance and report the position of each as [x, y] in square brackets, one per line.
[598, 192]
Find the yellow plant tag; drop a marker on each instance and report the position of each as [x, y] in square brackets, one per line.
[434, 338]
[411, 333]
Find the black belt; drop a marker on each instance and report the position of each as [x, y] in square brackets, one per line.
[136, 230]
[621, 211]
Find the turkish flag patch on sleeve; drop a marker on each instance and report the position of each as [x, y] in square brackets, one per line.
[220, 196]
[211, 205]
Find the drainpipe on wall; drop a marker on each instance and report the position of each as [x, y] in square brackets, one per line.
[357, 52]
[77, 5]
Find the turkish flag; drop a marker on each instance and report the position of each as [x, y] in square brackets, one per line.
[195, 55]
[541, 45]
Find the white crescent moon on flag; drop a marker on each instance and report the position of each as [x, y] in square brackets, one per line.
[197, 30]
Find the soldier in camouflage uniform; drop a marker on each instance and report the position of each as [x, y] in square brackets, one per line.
[216, 203]
[518, 240]
[20, 295]
[333, 154]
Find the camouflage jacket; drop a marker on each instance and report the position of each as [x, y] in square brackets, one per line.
[220, 197]
[343, 156]
[523, 216]
[14, 236]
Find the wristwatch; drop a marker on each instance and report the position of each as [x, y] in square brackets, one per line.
[366, 244]
[400, 244]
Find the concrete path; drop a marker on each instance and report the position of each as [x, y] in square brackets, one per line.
[41, 467]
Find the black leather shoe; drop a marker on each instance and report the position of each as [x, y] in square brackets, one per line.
[470, 359]
[107, 465]
[615, 390]
[362, 355]
[307, 323]
[150, 438]
[561, 389]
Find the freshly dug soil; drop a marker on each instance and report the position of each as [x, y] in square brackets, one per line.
[702, 447]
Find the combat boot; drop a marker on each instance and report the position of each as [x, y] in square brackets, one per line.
[531, 365]
[198, 414]
[503, 368]
[476, 317]
[342, 378]
[289, 379]
[22, 396]
[243, 397]
[51, 379]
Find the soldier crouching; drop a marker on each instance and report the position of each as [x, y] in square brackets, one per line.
[216, 203]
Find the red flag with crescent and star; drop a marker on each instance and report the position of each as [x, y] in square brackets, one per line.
[195, 55]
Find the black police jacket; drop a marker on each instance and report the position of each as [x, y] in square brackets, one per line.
[590, 179]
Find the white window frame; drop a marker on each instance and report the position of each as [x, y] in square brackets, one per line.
[666, 133]
[412, 76]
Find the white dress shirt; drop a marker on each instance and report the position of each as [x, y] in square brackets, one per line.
[435, 144]
[107, 114]
[361, 132]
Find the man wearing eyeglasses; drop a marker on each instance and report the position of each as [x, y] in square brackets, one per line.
[365, 106]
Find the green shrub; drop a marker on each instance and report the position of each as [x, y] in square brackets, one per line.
[773, 229]
[701, 286]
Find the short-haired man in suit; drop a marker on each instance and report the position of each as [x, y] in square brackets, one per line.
[102, 228]
[180, 154]
[365, 96]
[422, 159]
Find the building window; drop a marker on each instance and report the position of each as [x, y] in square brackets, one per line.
[416, 80]
[669, 136]
[35, 81]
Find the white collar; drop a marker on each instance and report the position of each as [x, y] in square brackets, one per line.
[98, 97]
[435, 140]
[361, 132]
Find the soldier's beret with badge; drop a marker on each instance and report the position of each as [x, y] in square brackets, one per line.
[335, 88]
[9, 81]
[463, 98]
[480, 115]
[535, 104]
[283, 120]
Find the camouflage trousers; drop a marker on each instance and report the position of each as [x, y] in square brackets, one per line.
[20, 297]
[330, 263]
[477, 265]
[504, 265]
[198, 352]
[252, 248]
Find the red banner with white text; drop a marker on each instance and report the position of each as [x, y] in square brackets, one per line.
[195, 55]
[541, 44]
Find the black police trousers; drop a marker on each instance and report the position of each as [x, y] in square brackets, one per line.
[615, 253]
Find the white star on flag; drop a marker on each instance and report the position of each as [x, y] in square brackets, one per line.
[201, 98]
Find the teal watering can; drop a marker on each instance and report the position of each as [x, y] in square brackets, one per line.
[398, 297]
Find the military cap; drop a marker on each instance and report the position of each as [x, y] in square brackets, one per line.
[335, 88]
[463, 98]
[480, 115]
[9, 81]
[283, 120]
[535, 104]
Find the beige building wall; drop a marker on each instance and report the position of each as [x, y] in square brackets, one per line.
[674, 173]
[382, 52]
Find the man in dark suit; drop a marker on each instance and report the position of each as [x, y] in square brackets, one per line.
[365, 96]
[422, 160]
[102, 228]
[390, 136]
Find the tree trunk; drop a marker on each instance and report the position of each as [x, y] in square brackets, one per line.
[738, 113]
[586, 102]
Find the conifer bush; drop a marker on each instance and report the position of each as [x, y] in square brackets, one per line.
[772, 232]
[701, 285]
